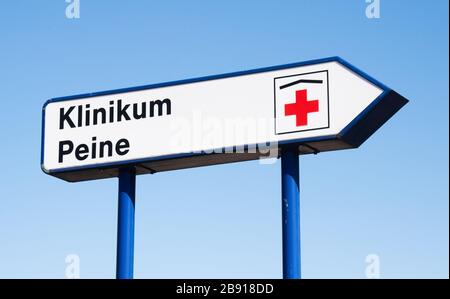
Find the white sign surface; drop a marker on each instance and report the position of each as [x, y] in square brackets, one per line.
[275, 105]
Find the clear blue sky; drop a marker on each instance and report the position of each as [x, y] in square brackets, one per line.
[390, 197]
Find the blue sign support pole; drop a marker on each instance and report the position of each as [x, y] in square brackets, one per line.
[125, 224]
[291, 212]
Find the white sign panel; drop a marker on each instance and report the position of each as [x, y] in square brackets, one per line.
[300, 104]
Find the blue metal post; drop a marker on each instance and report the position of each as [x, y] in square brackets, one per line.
[291, 213]
[125, 224]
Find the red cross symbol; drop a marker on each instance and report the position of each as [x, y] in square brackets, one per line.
[301, 107]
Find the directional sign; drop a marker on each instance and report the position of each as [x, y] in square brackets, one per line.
[316, 106]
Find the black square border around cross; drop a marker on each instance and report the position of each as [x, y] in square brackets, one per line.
[275, 103]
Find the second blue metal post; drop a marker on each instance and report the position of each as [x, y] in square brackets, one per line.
[291, 213]
[125, 224]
